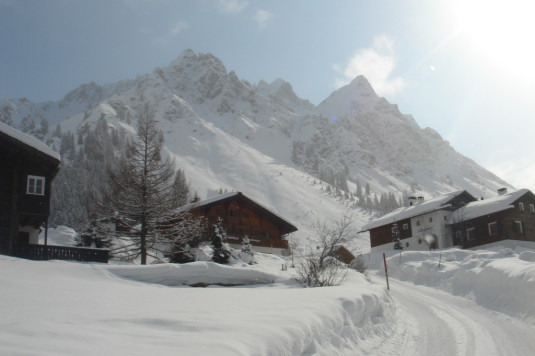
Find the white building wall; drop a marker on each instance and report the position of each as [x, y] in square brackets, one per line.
[432, 224]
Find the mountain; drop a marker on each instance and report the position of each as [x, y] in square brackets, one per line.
[306, 162]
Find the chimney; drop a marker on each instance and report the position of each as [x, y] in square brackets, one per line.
[420, 199]
[502, 191]
[412, 200]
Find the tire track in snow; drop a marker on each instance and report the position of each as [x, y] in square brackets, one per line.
[443, 324]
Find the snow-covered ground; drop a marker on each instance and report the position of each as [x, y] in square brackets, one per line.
[476, 302]
[66, 308]
[498, 278]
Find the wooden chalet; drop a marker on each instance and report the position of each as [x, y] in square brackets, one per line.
[509, 216]
[242, 216]
[28, 168]
[457, 218]
[420, 226]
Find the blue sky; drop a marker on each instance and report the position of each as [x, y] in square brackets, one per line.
[464, 68]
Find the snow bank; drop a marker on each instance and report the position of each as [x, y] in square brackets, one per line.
[196, 273]
[501, 279]
[60, 236]
[68, 308]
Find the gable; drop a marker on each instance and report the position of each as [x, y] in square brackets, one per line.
[236, 202]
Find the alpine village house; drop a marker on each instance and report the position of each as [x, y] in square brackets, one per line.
[28, 168]
[457, 219]
[241, 216]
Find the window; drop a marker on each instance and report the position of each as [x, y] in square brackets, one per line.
[405, 226]
[418, 223]
[521, 206]
[36, 185]
[445, 218]
[532, 208]
[493, 228]
[265, 234]
[233, 213]
[244, 214]
[470, 235]
[407, 244]
[419, 241]
[517, 227]
[431, 219]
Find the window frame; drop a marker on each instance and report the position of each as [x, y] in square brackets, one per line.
[519, 227]
[470, 234]
[32, 188]
[493, 228]
[521, 206]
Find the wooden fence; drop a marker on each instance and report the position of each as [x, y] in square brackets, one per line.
[42, 252]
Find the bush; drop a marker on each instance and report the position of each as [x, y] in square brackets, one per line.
[320, 268]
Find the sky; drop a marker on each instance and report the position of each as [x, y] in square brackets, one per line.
[462, 67]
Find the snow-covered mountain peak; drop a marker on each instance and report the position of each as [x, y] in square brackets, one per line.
[362, 86]
[264, 139]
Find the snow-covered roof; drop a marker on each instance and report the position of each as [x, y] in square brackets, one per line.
[28, 140]
[419, 208]
[225, 196]
[492, 205]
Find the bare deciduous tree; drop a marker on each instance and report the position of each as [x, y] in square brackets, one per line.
[144, 196]
[321, 268]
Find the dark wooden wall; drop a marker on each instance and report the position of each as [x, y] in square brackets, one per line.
[383, 234]
[240, 219]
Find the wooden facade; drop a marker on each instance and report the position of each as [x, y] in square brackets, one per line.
[418, 220]
[241, 216]
[25, 185]
[458, 219]
[516, 221]
[383, 234]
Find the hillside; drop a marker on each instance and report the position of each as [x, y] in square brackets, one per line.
[263, 140]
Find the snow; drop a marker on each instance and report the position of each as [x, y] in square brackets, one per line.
[498, 278]
[492, 205]
[28, 140]
[65, 308]
[86, 309]
[60, 236]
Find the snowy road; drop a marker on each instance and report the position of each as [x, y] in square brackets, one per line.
[432, 322]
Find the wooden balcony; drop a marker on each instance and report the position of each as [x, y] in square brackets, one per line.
[43, 253]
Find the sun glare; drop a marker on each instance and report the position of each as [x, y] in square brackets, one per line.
[502, 31]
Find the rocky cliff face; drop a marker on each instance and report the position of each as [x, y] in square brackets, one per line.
[227, 132]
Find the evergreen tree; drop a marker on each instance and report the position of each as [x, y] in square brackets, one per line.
[220, 253]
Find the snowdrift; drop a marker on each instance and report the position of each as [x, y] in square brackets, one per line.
[500, 279]
[67, 308]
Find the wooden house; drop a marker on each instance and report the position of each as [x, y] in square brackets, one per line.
[424, 224]
[342, 254]
[28, 168]
[242, 216]
[508, 217]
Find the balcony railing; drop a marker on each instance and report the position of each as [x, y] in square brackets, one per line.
[82, 254]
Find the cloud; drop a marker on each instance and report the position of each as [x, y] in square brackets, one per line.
[376, 64]
[262, 17]
[232, 6]
[178, 28]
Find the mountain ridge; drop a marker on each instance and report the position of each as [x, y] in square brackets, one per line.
[212, 119]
